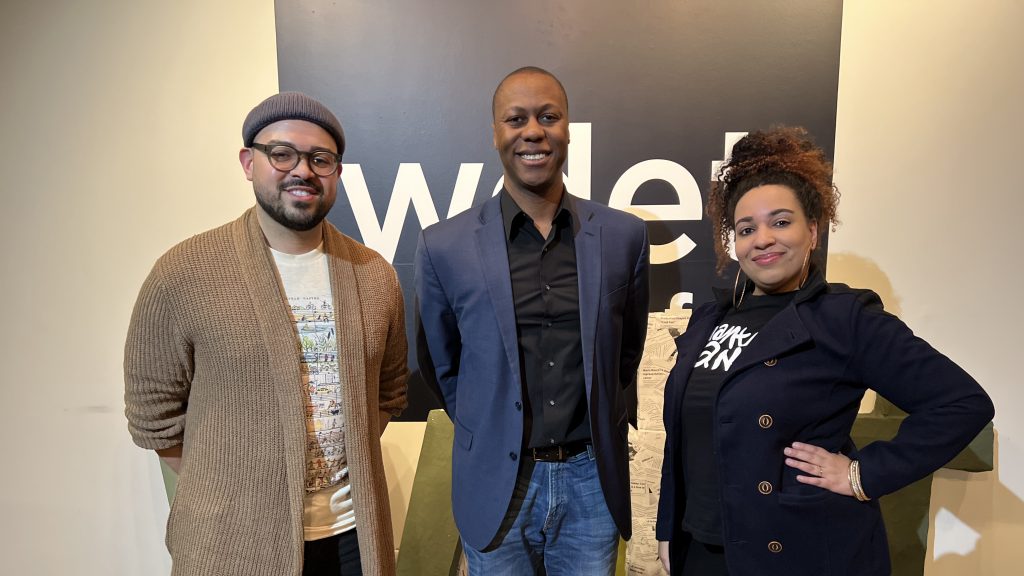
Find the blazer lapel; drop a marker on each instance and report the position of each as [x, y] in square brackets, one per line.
[587, 242]
[490, 244]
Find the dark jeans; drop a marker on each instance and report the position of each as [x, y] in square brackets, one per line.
[336, 555]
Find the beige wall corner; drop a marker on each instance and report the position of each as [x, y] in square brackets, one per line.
[123, 124]
[927, 142]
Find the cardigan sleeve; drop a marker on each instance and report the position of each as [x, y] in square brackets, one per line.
[946, 407]
[158, 368]
[394, 371]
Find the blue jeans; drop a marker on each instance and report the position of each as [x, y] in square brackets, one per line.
[558, 525]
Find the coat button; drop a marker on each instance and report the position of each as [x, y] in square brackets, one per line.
[765, 421]
[771, 362]
[519, 405]
[764, 487]
[775, 546]
[513, 456]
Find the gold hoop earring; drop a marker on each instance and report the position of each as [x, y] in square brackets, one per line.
[743, 293]
[806, 268]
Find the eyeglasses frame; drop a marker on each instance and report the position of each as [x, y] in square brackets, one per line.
[299, 157]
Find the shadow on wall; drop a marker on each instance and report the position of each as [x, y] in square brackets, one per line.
[969, 514]
[966, 509]
[859, 272]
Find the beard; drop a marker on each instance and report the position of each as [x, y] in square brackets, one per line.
[300, 220]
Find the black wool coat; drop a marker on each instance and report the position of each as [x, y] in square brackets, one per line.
[802, 379]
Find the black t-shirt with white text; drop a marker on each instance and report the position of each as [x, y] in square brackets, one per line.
[737, 329]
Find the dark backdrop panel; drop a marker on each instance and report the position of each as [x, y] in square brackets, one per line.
[412, 83]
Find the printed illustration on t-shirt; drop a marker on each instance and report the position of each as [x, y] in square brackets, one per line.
[724, 347]
[325, 426]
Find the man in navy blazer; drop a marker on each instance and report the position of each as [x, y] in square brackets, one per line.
[532, 315]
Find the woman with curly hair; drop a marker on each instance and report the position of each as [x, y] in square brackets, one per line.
[760, 474]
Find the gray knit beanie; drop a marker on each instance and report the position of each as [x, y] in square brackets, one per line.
[291, 106]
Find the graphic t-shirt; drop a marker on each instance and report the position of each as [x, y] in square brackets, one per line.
[328, 500]
[737, 330]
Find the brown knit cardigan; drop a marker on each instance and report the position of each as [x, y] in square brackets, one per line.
[212, 362]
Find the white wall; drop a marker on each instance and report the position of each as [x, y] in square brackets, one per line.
[123, 123]
[928, 140]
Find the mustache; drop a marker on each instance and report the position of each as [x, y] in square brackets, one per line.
[311, 183]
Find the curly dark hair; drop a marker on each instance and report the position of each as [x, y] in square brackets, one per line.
[782, 155]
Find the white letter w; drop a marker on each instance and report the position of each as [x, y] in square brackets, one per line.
[410, 186]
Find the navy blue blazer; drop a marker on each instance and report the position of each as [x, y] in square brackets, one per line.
[468, 350]
[802, 379]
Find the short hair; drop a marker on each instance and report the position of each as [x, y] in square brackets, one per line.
[528, 70]
[782, 155]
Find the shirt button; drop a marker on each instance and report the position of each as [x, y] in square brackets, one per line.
[551, 440]
[765, 421]
[519, 405]
[548, 324]
[775, 546]
[513, 456]
[551, 363]
[551, 402]
[764, 487]
[771, 362]
[547, 286]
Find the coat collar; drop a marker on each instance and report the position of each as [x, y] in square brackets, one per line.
[781, 334]
[814, 285]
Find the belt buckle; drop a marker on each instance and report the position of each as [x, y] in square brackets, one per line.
[546, 454]
[561, 453]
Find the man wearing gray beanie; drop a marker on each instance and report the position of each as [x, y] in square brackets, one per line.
[263, 360]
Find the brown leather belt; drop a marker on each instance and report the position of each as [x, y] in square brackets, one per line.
[559, 453]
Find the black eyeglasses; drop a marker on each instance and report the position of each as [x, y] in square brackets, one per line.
[285, 158]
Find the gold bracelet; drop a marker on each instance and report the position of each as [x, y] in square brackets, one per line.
[849, 475]
[855, 483]
[861, 484]
[855, 474]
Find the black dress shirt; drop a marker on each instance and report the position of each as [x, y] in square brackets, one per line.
[546, 294]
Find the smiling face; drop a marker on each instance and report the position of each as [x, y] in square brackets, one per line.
[298, 199]
[531, 132]
[774, 238]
